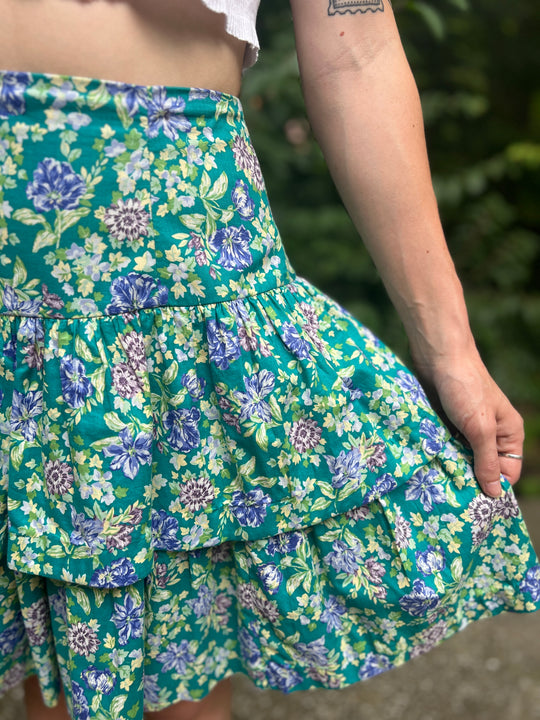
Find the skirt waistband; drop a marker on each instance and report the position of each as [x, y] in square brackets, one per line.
[116, 197]
[21, 92]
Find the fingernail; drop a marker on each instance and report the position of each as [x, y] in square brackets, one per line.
[494, 489]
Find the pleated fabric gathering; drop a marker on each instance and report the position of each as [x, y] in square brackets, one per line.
[208, 466]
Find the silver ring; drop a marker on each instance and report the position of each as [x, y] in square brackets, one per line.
[510, 455]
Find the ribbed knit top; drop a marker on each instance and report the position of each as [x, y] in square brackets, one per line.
[240, 19]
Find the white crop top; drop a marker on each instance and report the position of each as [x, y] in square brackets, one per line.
[240, 18]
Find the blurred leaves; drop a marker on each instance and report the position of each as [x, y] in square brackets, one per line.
[477, 67]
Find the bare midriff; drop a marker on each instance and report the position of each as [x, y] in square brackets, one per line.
[147, 42]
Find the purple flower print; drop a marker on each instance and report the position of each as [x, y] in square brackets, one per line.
[55, 186]
[232, 244]
[131, 453]
[165, 114]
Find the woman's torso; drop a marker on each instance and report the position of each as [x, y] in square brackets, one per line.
[161, 42]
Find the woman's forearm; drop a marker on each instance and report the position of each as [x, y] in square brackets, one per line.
[365, 111]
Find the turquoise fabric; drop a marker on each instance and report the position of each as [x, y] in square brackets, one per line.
[208, 466]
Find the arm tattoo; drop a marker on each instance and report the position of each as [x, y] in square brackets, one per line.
[340, 7]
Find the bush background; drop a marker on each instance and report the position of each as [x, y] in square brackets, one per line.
[477, 66]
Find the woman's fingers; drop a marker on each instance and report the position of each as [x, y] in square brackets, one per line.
[484, 416]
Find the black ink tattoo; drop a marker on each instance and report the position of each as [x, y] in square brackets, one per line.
[340, 7]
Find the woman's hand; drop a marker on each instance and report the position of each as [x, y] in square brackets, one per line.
[470, 401]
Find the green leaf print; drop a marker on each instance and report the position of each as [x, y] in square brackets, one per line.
[19, 272]
[219, 188]
[44, 238]
[29, 217]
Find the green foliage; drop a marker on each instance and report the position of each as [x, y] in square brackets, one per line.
[476, 65]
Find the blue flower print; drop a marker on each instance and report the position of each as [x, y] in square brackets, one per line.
[434, 436]
[183, 426]
[250, 508]
[12, 87]
[282, 677]
[314, 653]
[165, 114]
[431, 560]
[232, 244]
[26, 407]
[87, 530]
[76, 386]
[354, 392]
[100, 680]
[194, 385]
[422, 486]
[177, 657]
[55, 186]
[151, 689]
[258, 386]
[131, 453]
[409, 384]
[131, 96]
[346, 467]
[128, 618]
[248, 647]
[164, 531]
[223, 345]
[12, 635]
[420, 601]
[342, 558]
[332, 613]
[81, 710]
[295, 343]
[385, 484]
[119, 573]
[134, 291]
[531, 583]
[202, 93]
[374, 665]
[242, 201]
[271, 577]
[284, 543]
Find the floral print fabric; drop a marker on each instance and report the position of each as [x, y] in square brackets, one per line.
[207, 465]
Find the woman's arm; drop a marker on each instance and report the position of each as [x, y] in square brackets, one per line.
[364, 108]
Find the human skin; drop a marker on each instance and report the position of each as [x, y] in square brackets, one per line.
[363, 105]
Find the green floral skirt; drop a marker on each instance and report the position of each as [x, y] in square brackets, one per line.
[208, 466]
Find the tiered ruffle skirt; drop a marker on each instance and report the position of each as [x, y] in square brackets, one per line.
[207, 465]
